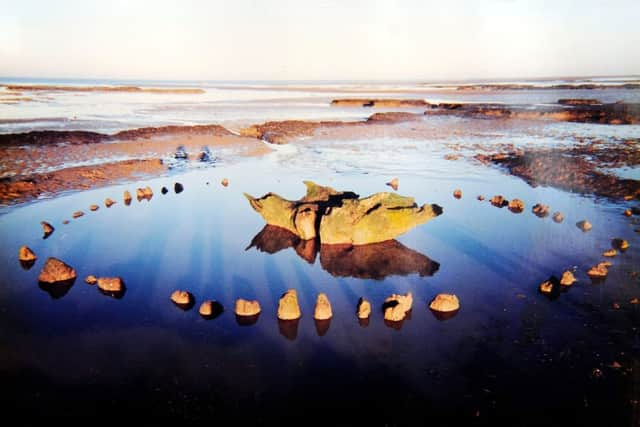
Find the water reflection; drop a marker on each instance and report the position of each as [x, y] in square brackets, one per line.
[363, 322]
[322, 326]
[371, 261]
[444, 315]
[247, 320]
[26, 265]
[289, 328]
[375, 260]
[272, 239]
[58, 289]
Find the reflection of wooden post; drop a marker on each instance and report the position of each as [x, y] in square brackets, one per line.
[364, 322]
[635, 392]
[289, 328]
[247, 320]
[322, 326]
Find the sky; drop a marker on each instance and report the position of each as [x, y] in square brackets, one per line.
[319, 39]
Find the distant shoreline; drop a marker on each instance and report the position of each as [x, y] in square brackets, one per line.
[125, 89]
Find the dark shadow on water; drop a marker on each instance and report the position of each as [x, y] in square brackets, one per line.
[322, 326]
[58, 289]
[597, 280]
[444, 315]
[216, 310]
[372, 261]
[289, 328]
[363, 322]
[247, 320]
[26, 265]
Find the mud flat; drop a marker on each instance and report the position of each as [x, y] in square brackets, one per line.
[85, 137]
[25, 157]
[380, 102]
[47, 162]
[564, 86]
[580, 169]
[16, 190]
[283, 132]
[123, 89]
[579, 112]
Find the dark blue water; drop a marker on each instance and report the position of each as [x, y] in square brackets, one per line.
[510, 356]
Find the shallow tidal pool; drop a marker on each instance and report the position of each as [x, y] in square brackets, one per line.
[510, 354]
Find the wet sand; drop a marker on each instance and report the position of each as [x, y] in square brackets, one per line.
[47, 163]
[50, 184]
[578, 169]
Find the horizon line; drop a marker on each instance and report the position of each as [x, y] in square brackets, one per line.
[332, 80]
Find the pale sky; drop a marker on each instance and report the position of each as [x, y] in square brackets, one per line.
[319, 39]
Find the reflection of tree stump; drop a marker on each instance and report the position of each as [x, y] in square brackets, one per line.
[375, 261]
[372, 261]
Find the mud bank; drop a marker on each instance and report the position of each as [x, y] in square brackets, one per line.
[124, 89]
[577, 169]
[47, 137]
[33, 158]
[15, 190]
[283, 132]
[618, 113]
[565, 86]
[567, 110]
[47, 162]
[380, 102]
